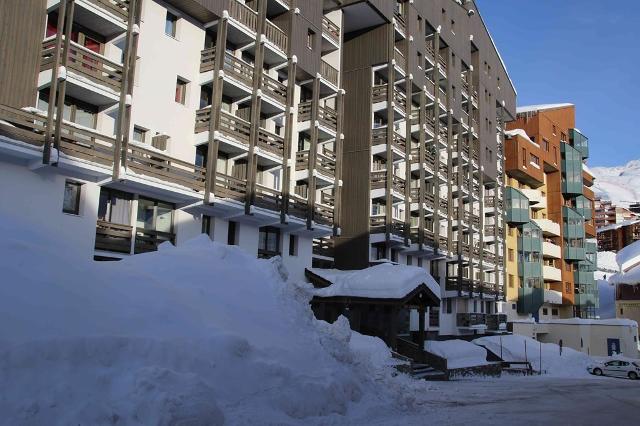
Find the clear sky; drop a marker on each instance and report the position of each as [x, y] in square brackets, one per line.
[586, 52]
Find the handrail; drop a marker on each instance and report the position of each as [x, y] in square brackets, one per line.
[331, 29]
[329, 72]
[277, 36]
[243, 14]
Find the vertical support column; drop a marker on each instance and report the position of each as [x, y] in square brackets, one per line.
[313, 152]
[421, 327]
[216, 106]
[504, 211]
[421, 162]
[436, 139]
[390, 123]
[53, 88]
[256, 101]
[337, 207]
[288, 137]
[123, 123]
[407, 176]
[62, 89]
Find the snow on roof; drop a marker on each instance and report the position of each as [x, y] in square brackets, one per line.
[618, 225]
[628, 257]
[582, 321]
[458, 353]
[521, 133]
[587, 169]
[542, 107]
[384, 281]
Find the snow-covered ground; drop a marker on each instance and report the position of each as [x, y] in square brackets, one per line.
[458, 353]
[201, 334]
[620, 184]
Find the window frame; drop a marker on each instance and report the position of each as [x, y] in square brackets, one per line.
[76, 210]
[181, 88]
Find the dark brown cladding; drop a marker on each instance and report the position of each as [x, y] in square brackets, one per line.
[202, 10]
[20, 44]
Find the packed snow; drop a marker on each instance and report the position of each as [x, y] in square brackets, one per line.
[532, 108]
[620, 184]
[458, 353]
[199, 334]
[543, 357]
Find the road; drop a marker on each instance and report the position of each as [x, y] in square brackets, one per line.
[526, 401]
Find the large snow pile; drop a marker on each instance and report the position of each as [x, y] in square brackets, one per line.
[606, 264]
[607, 295]
[628, 260]
[200, 334]
[620, 184]
[458, 353]
[512, 347]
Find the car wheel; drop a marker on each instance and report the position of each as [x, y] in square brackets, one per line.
[597, 372]
[633, 375]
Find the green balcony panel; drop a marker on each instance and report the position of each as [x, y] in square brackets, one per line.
[517, 205]
[530, 297]
[531, 294]
[571, 170]
[573, 223]
[579, 142]
[583, 207]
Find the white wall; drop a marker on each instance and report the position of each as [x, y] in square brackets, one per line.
[36, 198]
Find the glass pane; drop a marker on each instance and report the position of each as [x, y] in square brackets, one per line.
[145, 214]
[71, 196]
[163, 220]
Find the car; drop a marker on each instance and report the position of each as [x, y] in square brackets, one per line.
[617, 368]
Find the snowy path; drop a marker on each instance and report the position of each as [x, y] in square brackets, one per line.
[527, 401]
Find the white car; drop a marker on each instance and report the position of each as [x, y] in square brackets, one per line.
[618, 368]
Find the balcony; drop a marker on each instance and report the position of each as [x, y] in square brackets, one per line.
[324, 247]
[536, 200]
[91, 77]
[325, 167]
[238, 74]
[495, 321]
[330, 36]
[378, 225]
[551, 250]
[379, 96]
[327, 120]
[113, 237]
[551, 273]
[469, 320]
[323, 215]
[379, 143]
[329, 74]
[549, 227]
[105, 17]
[379, 185]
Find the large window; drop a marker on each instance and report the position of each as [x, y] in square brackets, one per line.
[269, 242]
[114, 207]
[71, 201]
[154, 224]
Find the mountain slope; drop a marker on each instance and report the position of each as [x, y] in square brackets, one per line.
[620, 184]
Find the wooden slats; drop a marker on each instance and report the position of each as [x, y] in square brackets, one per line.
[148, 240]
[119, 8]
[22, 125]
[331, 30]
[268, 198]
[243, 14]
[276, 36]
[230, 188]
[113, 237]
[270, 142]
[275, 89]
[329, 73]
[160, 166]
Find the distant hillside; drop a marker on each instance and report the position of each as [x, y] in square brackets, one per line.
[620, 184]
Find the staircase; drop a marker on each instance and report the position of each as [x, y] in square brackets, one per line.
[419, 364]
[426, 372]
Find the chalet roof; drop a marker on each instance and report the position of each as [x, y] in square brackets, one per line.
[384, 282]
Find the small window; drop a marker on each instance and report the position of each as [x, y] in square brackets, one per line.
[409, 260]
[554, 129]
[181, 91]
[71, 202]
[268, 242]
[511, 257]
[554, 311]
[139, 134]
[293, 245]
[449, 307]
[545, 311]
[311, 35]
[511, 281]
[232, 235]
[170, 24]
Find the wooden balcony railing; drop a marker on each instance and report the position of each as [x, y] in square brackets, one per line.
[232, 66]
[154, 164]
[379, 137]
[277, 36]
[323, 214]
[230, 188]
[271, 142]
[430, 50]
[401, 61]
[119, 8]
[331, 30]
[329, 73]
[400, 21]
[323, 247]
[325, 165]
[22, 125]
[93, 66]
[442, 62]
[327, 199]
[230, 125]
[470, 319]
[113, 237]
[147, 240]
[275, 89]
[327, 116]
[243, 14]
[268, 198]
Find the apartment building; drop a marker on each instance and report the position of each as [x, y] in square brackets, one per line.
[551, 250]
[607, 213]
[617, 236]
[175, 117]
[426, 98]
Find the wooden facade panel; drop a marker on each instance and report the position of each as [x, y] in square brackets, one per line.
[308, 59]
[21, 32]
[367, 49]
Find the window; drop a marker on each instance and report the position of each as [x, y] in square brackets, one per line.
[311, 35]
[409, 260]
[181, 91]
[554, 311]
[453, 26]
[449, 307]
[534, 160]
[510, 255]
[545, 311]
[170, 24]
[554, 130]
[524, 158]
[139, 134]
[71, 201]
[545, 145]
[269, 242]
[511, 281]
[293, 245]
[568, 287]
[232, 234]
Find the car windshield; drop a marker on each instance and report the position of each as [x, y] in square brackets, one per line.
[636, 364]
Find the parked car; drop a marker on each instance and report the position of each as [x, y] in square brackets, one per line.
[617, 368]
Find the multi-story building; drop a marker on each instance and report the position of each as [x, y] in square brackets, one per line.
[606, 213]
[426, 99]
[551, 251]
[617, 236]
[174, 118]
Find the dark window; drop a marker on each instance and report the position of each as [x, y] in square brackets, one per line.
[311, 35]
[394, 255]
[449, 307]
[232, 234]
[181, 91]
[207, 225]
[545, 311]
[71, 202]
[293, 245]
[409, 260]
[171, 24]
[139, 134]
[269, 242]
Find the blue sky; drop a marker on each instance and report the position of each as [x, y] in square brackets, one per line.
[586, 52]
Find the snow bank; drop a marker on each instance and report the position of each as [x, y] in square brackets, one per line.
[607, 262]
[571, 364]
[385, 281]
[458, 353]
[607, 295]
[200, 334]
